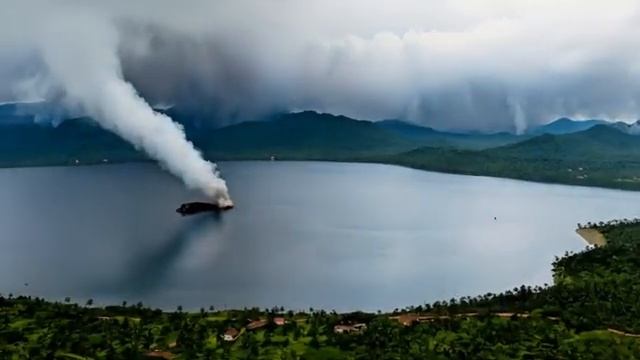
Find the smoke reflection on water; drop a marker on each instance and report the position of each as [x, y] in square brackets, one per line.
[148, 270]
[327, 235]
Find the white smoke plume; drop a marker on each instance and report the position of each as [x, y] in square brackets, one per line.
[86, 66]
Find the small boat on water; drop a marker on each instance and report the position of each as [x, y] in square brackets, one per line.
[198, 207]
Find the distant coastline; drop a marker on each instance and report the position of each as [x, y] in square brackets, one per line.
[382, 161]
[601, 155]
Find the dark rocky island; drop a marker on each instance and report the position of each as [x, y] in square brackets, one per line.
[198, 207]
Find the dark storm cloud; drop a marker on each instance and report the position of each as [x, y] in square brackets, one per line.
[487, 65]
[210, 75]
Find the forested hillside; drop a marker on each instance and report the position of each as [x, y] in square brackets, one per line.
[599, 156]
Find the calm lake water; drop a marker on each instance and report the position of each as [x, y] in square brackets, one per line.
[303, 234]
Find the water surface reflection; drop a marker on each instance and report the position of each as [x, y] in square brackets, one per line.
[303, 234]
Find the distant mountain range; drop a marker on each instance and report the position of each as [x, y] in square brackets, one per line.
[633, 129]
[586, 153]
[296, 135]
[25, 112]
[302, 135]
[600, 142]
[599, 156]
[436, 138]
[29, 112]
[565, 126]
[31, 144]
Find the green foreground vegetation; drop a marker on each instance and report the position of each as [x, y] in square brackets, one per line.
[592, 311]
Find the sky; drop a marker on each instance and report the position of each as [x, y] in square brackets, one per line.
[487, 65]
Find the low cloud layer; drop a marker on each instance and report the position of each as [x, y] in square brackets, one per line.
[483, 65]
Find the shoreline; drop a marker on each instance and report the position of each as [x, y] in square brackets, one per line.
[592, 236]
[345, 160]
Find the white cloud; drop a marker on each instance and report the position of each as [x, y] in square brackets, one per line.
[454, 64]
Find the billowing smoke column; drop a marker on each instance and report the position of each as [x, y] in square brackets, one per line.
[86, 66]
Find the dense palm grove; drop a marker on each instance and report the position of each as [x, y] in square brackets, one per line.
[592, 311]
